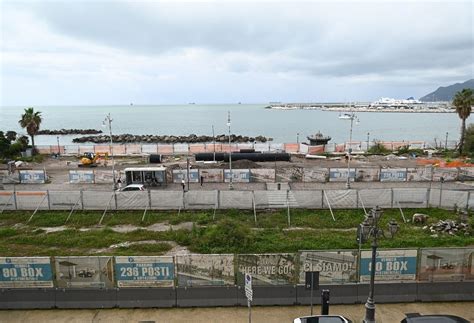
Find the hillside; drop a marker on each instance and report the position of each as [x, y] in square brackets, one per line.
[446, 93]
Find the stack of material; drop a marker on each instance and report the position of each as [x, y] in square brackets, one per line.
[449, 227]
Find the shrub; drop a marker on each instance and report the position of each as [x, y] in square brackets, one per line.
[378, 148]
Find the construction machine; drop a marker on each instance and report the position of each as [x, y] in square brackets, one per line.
[90, 159]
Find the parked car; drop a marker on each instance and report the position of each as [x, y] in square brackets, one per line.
[434, 318]
[322, 319]
[133, 187]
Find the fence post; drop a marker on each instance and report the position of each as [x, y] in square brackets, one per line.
[49, 200]
[82, 199]
[322, 199]
[428, 197]
[184, 200]
[14, 197]
[218, 199]
[391, 199]
[468, 198]
[115, 199]
[357, 198]
[149, 199]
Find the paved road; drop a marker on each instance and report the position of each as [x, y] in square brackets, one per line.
[385, 313]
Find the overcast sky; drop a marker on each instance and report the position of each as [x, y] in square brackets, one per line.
[151, 52]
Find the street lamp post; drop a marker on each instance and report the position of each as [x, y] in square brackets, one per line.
[231, 185]
[369, 228]
[108, 120]
[59, 149]
[352, 118]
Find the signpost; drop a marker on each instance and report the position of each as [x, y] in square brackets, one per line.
[312, 282]
[249, 294]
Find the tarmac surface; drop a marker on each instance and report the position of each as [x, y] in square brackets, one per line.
[385, 313]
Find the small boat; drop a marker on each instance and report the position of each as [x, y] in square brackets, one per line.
[345, 116]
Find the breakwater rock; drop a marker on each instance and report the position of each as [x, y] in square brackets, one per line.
[128, 138]
[69, 132]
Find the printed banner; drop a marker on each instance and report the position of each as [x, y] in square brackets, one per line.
[144, 271]
[449, 264]
[390, 265]
[268, 269]
[238, 175]
[25, 272]
[81, 176]
[32, 176]
[181, 174]
[205, 270]
[87, 272]
[340, 174]
[393, 175]
[333, 266]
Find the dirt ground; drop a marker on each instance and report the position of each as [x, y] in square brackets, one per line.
[385, 313]
[58, 173]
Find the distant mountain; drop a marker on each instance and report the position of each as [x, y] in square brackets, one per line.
[446, 93]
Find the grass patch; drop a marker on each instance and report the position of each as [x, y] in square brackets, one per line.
[232, 231]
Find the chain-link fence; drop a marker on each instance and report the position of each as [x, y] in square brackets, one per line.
[288, 199]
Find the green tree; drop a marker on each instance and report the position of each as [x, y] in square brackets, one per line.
[31, 121]
[468, 147]
[463, 100]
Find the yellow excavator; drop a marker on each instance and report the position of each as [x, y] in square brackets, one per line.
[93, 159]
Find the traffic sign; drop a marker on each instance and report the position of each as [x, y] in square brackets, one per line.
[248, 287]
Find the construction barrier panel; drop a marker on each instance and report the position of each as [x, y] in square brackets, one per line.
[340, 174]
[268, 269]
[236, 200]
[65, 200]
[448, 174]
[334, 267]
[390, 265]
[446, 264]
[393, 175]
[200, 199]
[182, 174]
[320, 175]
[261, 175]
[132, 200]
[369, 198]
[238, 175]
[166, 200]
[150, 149]
[32, 176]
[7, 200]
[367, 174]
[98, 200]
[144, 271]
[307, 199]
[205, 270]
[212, 175]
[339, 199]
[84, 272]
[420, 174]
[31, 200]
[25, 272]
[81, 176]
[410, 198]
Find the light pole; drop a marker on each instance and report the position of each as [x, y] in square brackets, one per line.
[298, 142]
[108, 120]
[352, 117]
[369, 228]
[214, 142]
[59, 149]
[231, 186]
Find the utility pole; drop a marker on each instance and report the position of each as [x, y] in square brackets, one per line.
[214, 141]
[109, 120]
[231, 185]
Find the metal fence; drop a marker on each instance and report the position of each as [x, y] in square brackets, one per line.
[287, 199]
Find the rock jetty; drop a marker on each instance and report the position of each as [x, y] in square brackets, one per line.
[69, 132]
[128, 138]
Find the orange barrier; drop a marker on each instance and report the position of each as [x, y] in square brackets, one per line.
[291, 148]
[443, 163]
[22, 193]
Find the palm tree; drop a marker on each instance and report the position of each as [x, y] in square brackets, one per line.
[31, 120]
[463, 100]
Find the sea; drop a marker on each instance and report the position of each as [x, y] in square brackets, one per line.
[245, 119]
